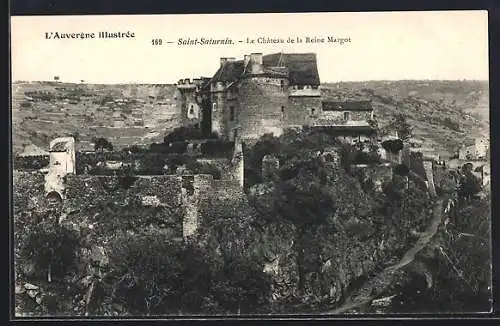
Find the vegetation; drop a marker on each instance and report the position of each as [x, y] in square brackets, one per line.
[312, 231]
[31, 162]
[101, 144]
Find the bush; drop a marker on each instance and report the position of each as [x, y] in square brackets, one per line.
[190, 132]
[217, 148]
[151, 275]
[31, 162]
[450, 124]
[146, 273]
[102, 144]
[50, 247]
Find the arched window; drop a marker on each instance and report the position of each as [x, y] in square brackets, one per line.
[346, 116]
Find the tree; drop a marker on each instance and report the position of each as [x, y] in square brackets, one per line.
[402, 127]
[101, 144]
[469, 186]
[51, 247]
[241, 286]
[191, 132]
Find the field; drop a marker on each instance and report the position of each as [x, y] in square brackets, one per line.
[444, 114]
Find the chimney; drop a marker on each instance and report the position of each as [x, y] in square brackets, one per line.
[256, 60]
[223, 61]
[246, 59]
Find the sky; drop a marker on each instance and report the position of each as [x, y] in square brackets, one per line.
[443, 45]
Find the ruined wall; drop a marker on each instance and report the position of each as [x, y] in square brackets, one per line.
[430, 177]
[219, 105]
[190, 110]
[195, 190]
[27, 189]
[262, 100]
[299, 110]
[91, 190]
[337, 117]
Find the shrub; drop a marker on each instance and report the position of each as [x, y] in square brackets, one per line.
[450, 124]
[151, 275]
[50, 247]
[190, 132]
[31, 162]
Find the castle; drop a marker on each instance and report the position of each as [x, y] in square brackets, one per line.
[266, 94]
[244, 100]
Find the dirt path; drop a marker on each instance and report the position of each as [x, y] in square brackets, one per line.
[363, 295]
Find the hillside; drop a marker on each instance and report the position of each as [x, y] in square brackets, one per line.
[124, 114]
[443, 113]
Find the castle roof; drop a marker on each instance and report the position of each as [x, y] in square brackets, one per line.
[302, 68]
[229, 71]
[346, 105]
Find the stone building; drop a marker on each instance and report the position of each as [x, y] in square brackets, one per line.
[476, 151]
[187, 97]
[62, 162]
[256, 95]
[262, 94]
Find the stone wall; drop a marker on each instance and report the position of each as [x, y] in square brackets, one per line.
[219, 105]
[299, 110]
[84, 194]
[190, 110]
[92, 190]
[27, 189]
[337, 117]
[262, 101]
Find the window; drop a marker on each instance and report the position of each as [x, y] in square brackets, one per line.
[214, 107]
[191, 109]
[283, 112]
[312, 111]
[231, 113]
[282, 83]
[346, 116]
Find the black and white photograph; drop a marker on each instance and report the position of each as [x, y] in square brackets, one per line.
[232, 165]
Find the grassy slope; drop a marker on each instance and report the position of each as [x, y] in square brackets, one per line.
[45, 120]
[426, 103]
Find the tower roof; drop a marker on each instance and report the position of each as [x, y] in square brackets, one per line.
[302, 68]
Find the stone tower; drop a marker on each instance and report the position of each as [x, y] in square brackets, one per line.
[62, 163]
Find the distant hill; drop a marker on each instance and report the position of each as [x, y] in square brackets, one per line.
[124, 114]
[443, 113]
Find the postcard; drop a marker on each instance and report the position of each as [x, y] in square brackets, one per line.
[242, 165]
